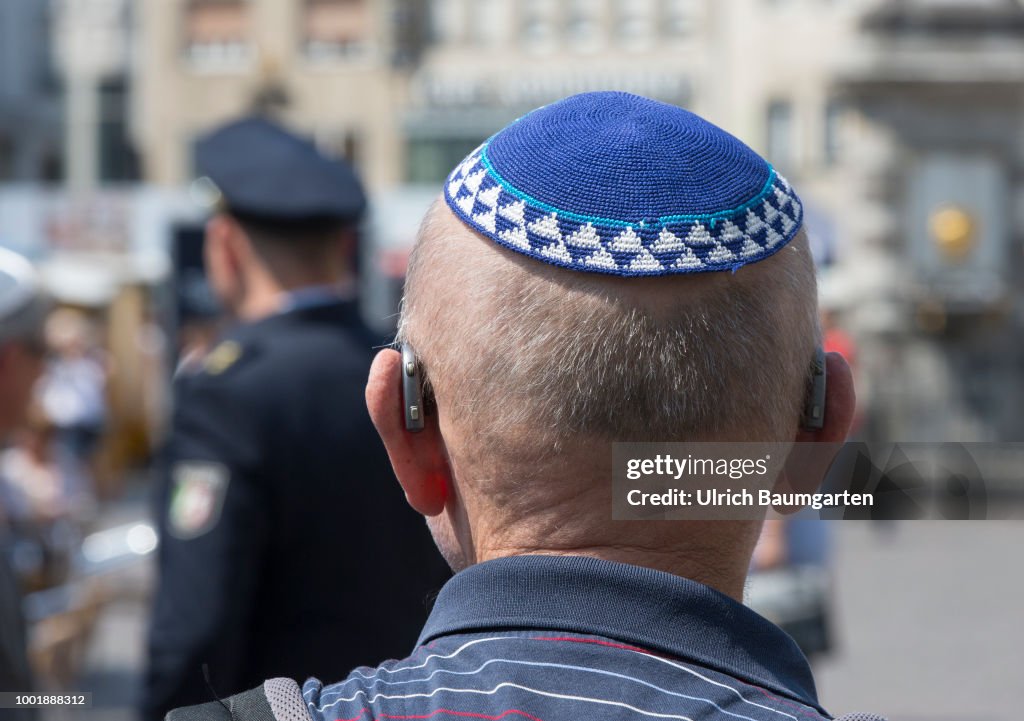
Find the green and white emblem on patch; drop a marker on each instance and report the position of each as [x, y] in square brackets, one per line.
[197, 496]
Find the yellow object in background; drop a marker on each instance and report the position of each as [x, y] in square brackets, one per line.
[953, 230]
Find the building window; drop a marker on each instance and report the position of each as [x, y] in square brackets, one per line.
[117, 159]
[678, 19]
[583, 27]
[51, 164]
[635, 23]
[6, 158]
[447, 21]
[217, 33]
[336, 28]
[490, 21]
[833, 138]
[429, 160]
[538, 26]
[779, 133]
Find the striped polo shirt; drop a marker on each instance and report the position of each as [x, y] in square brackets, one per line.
[554, 638]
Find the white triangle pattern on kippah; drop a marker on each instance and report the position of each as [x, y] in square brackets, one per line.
[516, 237]
[721, 254]
[781, 199]
[754, 223]
[699, 236]
[730, 233]
[487, 220]
[586, 238]
[454, 186]
[748, 235]
[688, 260]
[473, 181]
[558, 251]
[750, 249]
[489, 197]
[668, 242]
[601, 259]
[547, 227]
[466, 202]
[645, 261]
[626, 242]
[514, 212]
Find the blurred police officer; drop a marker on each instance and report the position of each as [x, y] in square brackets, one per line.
[285, 547]
[22, 310]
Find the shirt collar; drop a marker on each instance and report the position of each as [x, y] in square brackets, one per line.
[313, 296]
[636, 605]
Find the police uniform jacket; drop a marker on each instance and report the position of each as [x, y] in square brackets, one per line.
[287, 548]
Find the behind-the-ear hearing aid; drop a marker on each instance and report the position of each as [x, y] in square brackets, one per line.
[814, 405]
[412, 391]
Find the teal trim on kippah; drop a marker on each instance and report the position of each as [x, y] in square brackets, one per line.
[707, 217]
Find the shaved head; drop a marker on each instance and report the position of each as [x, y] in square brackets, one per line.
[532, 365]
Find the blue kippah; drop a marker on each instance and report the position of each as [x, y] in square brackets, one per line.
[616, 183]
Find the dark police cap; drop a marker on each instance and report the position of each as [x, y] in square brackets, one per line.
[264, 171]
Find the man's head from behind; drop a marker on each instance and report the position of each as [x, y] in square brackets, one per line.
[249, 262]
[23, 310]
[286, 218]
[566, 297]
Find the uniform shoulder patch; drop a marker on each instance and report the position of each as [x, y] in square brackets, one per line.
[197, 496]
[222, 357]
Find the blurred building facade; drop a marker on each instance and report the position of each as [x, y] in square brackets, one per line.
[92, 48]
[30, 103]
[938, 179]
[487, 62]
[328, 67]
[898, 120]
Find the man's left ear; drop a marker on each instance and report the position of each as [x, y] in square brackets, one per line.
[840, 404]
[807, 466]
[418, 459]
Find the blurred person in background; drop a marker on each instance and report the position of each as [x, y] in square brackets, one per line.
[277, 507]
[46, 491]
[22, 347]
[72, 391]
[43, 476]
[30, 473]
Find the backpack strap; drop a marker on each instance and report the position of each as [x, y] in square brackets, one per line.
[285, 699]
[278, 699]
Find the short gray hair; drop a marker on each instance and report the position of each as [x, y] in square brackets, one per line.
[536, 359]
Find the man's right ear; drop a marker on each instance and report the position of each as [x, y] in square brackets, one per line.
[418, 458]
[222, 263]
